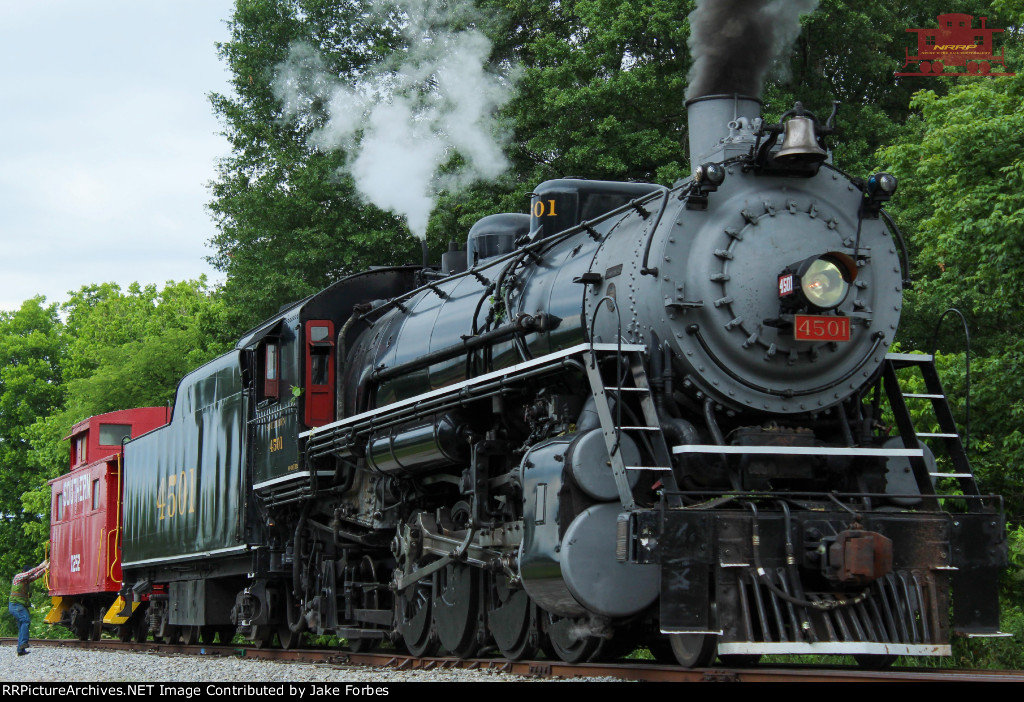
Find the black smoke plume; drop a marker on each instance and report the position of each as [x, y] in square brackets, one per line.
[735, 42]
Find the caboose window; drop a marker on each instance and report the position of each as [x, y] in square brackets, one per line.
[949, 23]
[979, 40]
[929, 41]
[79, 455]
[112, 434]
[60, 506]
[95, 494]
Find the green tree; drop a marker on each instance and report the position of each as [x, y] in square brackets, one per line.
[31, 346]
[288, 223]
[961, 204]
[120, 350]
[602, 88]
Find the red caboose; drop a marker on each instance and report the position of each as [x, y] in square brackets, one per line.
[955, 42]
[85, 519]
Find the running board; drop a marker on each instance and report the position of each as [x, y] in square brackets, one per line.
[836, 648]
[797, 450]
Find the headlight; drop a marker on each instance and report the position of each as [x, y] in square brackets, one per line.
[819, 282]
[823, 284]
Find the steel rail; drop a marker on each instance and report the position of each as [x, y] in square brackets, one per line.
[641, 671]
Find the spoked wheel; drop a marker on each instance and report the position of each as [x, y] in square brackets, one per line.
[225, 633]
[512, 619]
[456, 609]
[172, 634]
[207, 634]
[190, 635]
[568, 641]
[693, 650]
[414, 620]
[124, 632]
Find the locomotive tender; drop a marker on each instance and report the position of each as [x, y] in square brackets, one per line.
[637, 416]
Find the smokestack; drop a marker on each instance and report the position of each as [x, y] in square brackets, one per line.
[718, 122]
[734, 44]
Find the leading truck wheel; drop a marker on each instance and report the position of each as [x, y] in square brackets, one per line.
[693, 650]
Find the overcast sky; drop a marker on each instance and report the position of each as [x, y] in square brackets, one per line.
[107, 141]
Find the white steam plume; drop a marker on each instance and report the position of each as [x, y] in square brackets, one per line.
[401, 121]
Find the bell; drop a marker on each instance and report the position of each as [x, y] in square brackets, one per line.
[799, 145]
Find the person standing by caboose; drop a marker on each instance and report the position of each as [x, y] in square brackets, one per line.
[19, 604]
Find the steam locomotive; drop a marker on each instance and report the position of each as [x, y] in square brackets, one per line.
[637, 416]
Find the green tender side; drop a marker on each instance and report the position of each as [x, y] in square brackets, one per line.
[184, 484]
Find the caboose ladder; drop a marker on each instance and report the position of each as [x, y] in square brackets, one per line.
[940, 406]
[639, 400]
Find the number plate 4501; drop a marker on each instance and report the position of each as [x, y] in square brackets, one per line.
[810, 327]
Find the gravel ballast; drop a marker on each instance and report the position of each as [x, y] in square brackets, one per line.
[46, 664]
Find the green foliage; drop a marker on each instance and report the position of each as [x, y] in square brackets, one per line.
[31, 346]
[961, 204]
[117, 350]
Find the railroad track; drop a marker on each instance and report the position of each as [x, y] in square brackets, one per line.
[645, 671]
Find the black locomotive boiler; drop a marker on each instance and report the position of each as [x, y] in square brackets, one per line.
[637, 416]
